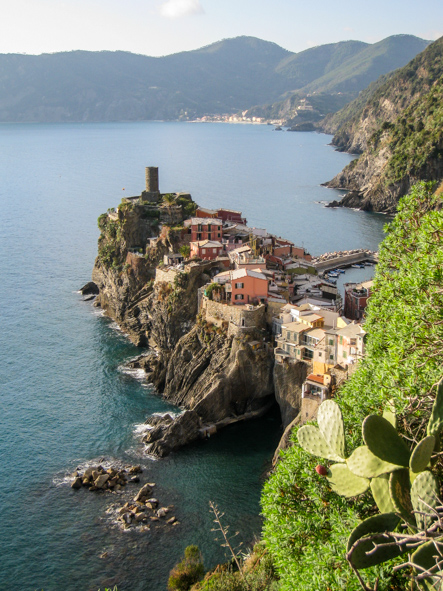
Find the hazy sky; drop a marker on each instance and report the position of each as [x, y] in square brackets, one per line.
[161, 27]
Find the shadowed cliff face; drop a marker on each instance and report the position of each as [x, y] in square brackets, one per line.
[217, 380]
[288, 380]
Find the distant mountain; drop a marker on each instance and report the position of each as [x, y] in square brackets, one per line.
[399, 129]
[330, 76]
[225, 77]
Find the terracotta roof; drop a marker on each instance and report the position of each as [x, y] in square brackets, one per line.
[316, 378]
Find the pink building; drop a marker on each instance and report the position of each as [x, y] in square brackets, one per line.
[248, 287]
[206, 249]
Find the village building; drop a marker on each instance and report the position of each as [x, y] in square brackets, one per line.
[356, 299]
[230, 215]
[171, 259]
[243, 286]
[206, 249]
[203, 212]
[317, 386]
[206, 229]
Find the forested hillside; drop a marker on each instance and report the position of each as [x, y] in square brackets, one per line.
[226, 77]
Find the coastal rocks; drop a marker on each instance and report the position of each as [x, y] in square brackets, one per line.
[89, 289]
[218, 381]
[143, 511]
[96, 478]
[168, 437]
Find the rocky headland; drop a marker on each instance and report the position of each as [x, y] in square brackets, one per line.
[395, 126]
[216, 371]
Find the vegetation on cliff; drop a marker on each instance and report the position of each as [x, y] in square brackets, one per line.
[385, 99]
[399, 130]
[306, 525]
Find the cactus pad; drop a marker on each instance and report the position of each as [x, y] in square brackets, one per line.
[421, 456]
[424, 492]
[371, 532]
[435, 424]
[363, 463]
[345, 483]
[399, 489]
[383, 441]
[426, 556]
[312, 441]
[330, 423]
[380, 492]
[389, 413]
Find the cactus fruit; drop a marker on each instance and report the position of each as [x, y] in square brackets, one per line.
[371, 532]
[435, 423]
[380, 492]
[383, 441]
[345, 483]
[321, 470]
[424, 494]
[330, 423]
[399, 489]
[421, 456]
[311, 440]
[364, 463]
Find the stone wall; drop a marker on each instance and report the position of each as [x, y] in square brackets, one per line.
[166, 275]
[240, 316]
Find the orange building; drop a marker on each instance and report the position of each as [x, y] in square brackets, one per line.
[248, 287]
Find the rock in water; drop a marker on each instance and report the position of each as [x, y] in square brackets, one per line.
[101, 480]
[89, 289]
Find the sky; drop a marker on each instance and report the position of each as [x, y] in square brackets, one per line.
[162, 27]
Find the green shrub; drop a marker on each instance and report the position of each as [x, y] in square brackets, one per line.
[187, 572]
[306, 525]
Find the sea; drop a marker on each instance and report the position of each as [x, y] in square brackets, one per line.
[67, 400]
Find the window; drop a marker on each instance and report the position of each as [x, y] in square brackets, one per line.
[218, 235]
[214, 250]
[219, 228]
[239, 286]
[319, 354]
[238, 296]
[341, 340]
[331, 341]
[331, 357]
[344, 354]
[204, 250]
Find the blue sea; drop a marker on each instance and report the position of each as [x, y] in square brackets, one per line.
[66, 398]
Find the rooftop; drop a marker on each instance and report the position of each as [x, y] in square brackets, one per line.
[206, 221]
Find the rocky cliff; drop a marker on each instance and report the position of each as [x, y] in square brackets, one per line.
[398, 132]
[211, 373]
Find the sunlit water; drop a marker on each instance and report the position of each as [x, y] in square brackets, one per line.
[66, 400]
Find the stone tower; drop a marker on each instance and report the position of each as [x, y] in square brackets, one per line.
[151, 194]
[151, 179]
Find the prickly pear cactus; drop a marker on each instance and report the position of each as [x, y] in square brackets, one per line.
[400, 479]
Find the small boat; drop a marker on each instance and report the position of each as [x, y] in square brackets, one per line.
[356, 266]
[333, 274]
[341, 270]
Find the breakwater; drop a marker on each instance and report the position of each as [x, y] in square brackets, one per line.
[346, 258]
